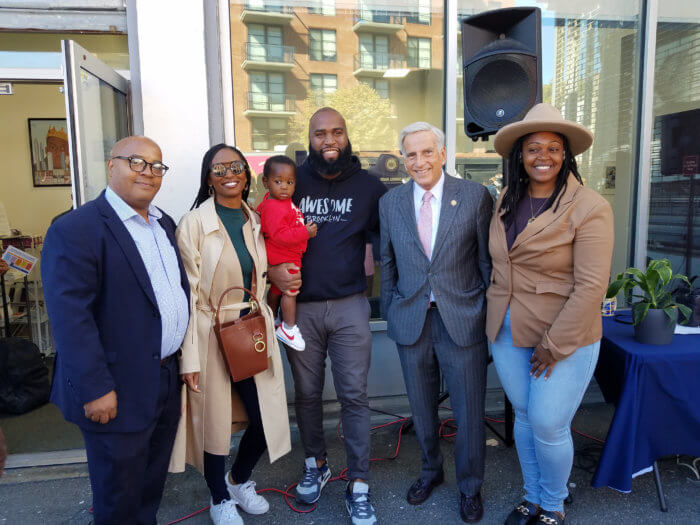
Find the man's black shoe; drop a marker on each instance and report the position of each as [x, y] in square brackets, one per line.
[421, 489]
[470, 508]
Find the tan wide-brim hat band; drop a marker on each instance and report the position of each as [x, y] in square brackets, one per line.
[543, 117]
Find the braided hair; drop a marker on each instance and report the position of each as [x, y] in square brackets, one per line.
[203, 192]
[517, 180]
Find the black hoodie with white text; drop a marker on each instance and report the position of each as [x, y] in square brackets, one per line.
[345, 209]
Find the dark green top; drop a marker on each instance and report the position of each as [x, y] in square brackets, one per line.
[234, 219]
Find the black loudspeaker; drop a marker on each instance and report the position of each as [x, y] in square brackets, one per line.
[502, 66]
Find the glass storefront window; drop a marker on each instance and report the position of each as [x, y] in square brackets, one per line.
[674, 208]
[589, 70]
[379, 61]
[381, 66]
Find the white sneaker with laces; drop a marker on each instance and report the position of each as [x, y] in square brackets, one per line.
[225, 513]
[245, 496]
[290, 336]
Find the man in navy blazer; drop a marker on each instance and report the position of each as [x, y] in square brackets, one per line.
[117, 297]
[435, 271]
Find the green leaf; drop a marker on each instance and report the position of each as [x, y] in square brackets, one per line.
[665, 273]
[639, 312]
[635, 272]
[664, 300]
[652, 279]
[687, 312]
[670, 312]
[683, 278]
[615, 287]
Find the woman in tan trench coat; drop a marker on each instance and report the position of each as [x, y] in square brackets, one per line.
[222, 246]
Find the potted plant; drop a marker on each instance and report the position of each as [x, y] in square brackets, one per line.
[654, 312]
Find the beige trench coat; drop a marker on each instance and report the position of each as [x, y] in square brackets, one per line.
[210, 417]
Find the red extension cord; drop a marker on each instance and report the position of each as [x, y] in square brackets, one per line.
[447, 424]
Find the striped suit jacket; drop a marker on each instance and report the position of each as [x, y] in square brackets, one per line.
[457, 274]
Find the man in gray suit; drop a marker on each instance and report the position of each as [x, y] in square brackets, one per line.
[435, 271]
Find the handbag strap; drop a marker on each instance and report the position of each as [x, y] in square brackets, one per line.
[254, 306]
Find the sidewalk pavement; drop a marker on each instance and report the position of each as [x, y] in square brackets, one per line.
[57, 495]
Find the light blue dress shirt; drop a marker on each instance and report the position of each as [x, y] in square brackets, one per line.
[161, 264]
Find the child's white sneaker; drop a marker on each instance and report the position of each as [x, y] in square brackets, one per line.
[291, 336]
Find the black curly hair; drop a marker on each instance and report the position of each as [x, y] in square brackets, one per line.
[517, 180]
[203, 192]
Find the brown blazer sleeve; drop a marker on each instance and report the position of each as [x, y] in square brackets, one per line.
[592, 254]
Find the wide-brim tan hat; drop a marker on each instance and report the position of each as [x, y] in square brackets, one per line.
[543, 117]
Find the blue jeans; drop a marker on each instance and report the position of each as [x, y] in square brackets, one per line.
[543, 413]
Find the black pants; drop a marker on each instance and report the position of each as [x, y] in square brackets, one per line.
[128, 469]
[250, 449]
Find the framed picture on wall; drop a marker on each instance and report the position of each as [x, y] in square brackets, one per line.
[48, 146]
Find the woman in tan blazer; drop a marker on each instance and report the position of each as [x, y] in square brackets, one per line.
[222, 246]
[551, 242]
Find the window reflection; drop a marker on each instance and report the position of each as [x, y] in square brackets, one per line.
[589, 64]
[674, 215]
[379, 64]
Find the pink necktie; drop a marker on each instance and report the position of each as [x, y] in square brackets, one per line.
[425, 223]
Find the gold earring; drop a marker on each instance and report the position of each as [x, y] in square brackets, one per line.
[211, 190]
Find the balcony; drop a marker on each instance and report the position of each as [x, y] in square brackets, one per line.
[270, 105]
[267, 57]
[378, 22]
[261, 14]
[376, 64]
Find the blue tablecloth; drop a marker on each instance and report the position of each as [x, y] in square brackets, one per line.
[656, 390]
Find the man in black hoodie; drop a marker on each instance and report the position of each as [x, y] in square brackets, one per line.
[332, 311]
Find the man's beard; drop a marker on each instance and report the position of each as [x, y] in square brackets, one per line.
[323, 167]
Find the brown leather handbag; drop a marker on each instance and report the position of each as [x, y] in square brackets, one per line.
[243, 341]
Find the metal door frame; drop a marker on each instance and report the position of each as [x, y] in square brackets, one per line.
[76, 59]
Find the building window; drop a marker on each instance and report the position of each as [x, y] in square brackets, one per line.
[380, 85]
[265, 43]
[374, 51]
[267, 92]
[268, 133]
[324, 83]
[322, 45]
[418, 54]
[420, 14]
[322, 7]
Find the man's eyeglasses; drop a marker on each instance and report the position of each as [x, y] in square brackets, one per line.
[137, 164]
[219, 170]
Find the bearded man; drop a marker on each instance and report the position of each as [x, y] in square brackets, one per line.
[334, 192]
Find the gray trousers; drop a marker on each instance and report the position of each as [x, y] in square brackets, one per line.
[464, 370]
[338, 328]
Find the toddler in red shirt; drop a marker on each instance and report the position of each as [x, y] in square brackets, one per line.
[286, 235]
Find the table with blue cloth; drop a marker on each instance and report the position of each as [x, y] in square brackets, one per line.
[656, 392]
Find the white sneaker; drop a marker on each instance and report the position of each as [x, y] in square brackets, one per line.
[225, 513]
[245, 496]
[291, 337]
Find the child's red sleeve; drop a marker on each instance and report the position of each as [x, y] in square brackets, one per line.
[281, 226]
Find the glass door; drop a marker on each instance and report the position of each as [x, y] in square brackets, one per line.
[97, 111]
